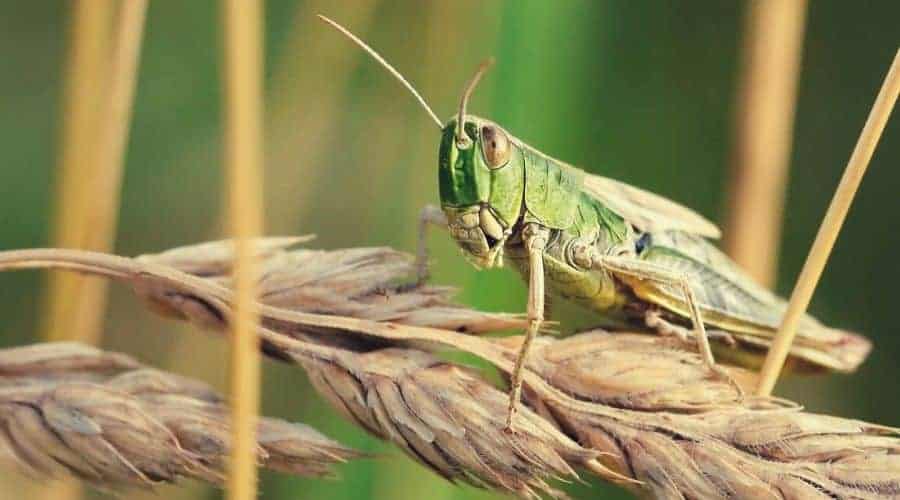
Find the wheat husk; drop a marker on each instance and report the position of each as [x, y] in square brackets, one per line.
[70, 409]
[638, 410]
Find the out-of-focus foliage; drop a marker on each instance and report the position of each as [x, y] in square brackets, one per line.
[640, 91]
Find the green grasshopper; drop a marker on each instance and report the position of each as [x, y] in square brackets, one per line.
[636, 258]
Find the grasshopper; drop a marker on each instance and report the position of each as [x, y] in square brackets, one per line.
[635, 257]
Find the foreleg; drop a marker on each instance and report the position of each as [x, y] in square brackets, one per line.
[535, 238]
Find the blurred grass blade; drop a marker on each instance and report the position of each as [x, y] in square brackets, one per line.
[243, 157]
[85, 67]
[831, 226]
[91, 171]
[773, 45]
[115, 125]
[85, 72]
[96, 125]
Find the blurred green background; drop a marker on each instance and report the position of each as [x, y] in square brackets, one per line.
[640, 91]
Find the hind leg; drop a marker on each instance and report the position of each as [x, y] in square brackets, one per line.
[653, 319]
[643, 270]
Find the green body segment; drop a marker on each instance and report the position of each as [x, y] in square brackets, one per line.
[554, 198]
[552, 191]
[592, 225]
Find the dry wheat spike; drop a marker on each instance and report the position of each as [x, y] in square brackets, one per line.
[70, 409]
[637, 410]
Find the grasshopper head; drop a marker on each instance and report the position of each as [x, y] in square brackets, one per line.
[481, 175]
[481, 171]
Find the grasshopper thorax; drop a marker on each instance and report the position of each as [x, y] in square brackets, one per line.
[481, 176]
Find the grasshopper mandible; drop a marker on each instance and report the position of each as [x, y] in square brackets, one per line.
[635, 257]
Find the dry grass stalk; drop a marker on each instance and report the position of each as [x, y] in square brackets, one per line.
[243, 74]
[91, 171]
[95, 133]
[368, 283]
[639, 410]
[831, 227]
[710, 443]
[773, 43]
[71, 409]
[86, 65]
[105, 187]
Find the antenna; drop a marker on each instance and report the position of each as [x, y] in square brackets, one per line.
[485, 65]
[387, 66]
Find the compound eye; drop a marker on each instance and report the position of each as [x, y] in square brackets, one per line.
[495, 145]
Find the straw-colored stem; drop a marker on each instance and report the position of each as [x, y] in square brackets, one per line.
[102, 195]
[831, 226]
[243, 157]
[91, 163]
[764, 128]
[91, 172]
[86, 69]
[115, 124]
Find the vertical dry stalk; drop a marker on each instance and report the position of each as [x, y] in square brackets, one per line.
[92, 174]
[243, 156]
[831, 226]
[765, 118]
[88, 51]
[91, 163]
[101, 202]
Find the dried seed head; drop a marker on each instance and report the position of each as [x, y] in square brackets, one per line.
[60, 358]
[367, 283]
[686, 436]
[634, 405]
[638, 372]
[216, 258]
[449, 419]
[64, 410]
